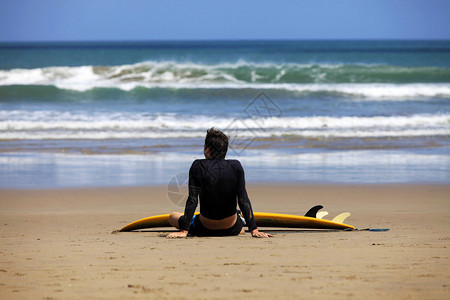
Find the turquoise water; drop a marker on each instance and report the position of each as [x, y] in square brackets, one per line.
[331, 107]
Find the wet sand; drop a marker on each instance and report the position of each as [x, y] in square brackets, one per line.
[57, 244]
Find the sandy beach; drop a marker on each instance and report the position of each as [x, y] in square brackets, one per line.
[57, 244]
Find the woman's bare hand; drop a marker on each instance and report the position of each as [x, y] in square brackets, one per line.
[259, 234]
[178, 234]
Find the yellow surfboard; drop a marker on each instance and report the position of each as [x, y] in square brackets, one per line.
[262, 220]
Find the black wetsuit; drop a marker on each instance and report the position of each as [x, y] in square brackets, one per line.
[220, 185]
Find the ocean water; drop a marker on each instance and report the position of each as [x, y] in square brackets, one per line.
[136, 113]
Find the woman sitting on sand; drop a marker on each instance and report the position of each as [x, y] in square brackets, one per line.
[220, 185]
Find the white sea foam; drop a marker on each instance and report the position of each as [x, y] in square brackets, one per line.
[79, 125]
[173, 75]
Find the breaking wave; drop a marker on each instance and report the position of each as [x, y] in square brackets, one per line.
[350, 80]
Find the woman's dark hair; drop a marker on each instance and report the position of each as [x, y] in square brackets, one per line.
[217, 142]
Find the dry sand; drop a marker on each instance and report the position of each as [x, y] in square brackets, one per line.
[57, 244]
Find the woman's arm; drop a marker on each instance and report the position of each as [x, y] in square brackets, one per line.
[191, 204]
[246, 206]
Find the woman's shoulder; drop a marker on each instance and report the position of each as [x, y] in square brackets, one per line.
[201, 162]
[235, 163]
[196, 163]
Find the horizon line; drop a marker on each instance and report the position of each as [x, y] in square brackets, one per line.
[224, 40]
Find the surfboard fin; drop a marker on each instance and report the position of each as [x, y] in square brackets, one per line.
[341, 217]
[321, 214]
[312, 213]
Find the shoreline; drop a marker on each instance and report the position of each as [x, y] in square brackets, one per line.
[251, 185]
[36, 170]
